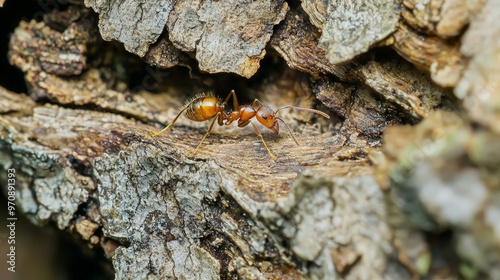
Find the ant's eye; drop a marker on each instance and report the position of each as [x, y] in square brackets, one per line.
[264, 116]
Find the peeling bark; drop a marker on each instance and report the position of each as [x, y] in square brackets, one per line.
[296, 40]
[171, 208]
[351, 28]
[221, 43]
[137, 24]
[444, 18]
[366, 115]
[479, 88]
[402, 85]
[362, 196]
[52, 51]
[441, 58]
[316, 10]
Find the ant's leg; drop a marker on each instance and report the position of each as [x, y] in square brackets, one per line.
[263, 142]
[243, 124]
[169, 125]
[221, 118]
[258, 102]
[206, 134]
[235, 100]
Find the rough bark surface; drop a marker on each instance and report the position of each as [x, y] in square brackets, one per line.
[296, 40]
[202, 216]
[221, 42]
[55, 52]
[352, 27]
[479, 89]
[137, 24]
[443, 162]
[364, 195]
[445, 18]
[402, 85]
[451, 166]
[229, 43]
[316, 9]
[440, 57]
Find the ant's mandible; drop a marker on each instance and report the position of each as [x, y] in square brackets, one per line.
[205, 107]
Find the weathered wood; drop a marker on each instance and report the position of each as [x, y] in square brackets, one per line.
[453, 170]
[401, 84]
[316, 10]
[442, 18]
[345, 204]
[55, 52]
[220, 43]
[450, 164]
[137, 25]
[479, 88]
[296, 40]
[440, 57]
[230, 198]
[352, 27]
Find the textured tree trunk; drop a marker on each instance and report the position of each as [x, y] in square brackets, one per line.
[411, 148]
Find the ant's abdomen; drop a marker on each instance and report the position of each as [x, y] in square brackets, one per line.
[203, 108]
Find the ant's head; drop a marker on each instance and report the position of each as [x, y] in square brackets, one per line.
[266, 116]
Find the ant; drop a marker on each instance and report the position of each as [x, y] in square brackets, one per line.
[207, 106]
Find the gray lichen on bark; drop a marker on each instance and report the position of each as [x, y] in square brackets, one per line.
[137, 24]
[441, 162]
[247, 34]
[226, 36]
[479, 88]
[230, 211]
[445, 18]
[352, 27]
[296, 40]
[161, 215]
[49, 188]
[335, 210]
[174, 212]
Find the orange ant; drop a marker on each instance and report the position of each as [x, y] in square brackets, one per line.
[205, 107]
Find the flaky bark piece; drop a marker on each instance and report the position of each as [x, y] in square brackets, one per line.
[296, 40]
[352, 27]
[363, 113]
[479, 87]
[400, 83]
[444, 18]
[34, 44]
[136, 24]
[224, 36]
[216, 214]
[440, 57]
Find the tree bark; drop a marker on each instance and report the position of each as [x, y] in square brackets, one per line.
[355, 200]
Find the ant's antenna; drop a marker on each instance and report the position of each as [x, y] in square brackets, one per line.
[304, 109]
[298, 108]
[289, 130]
